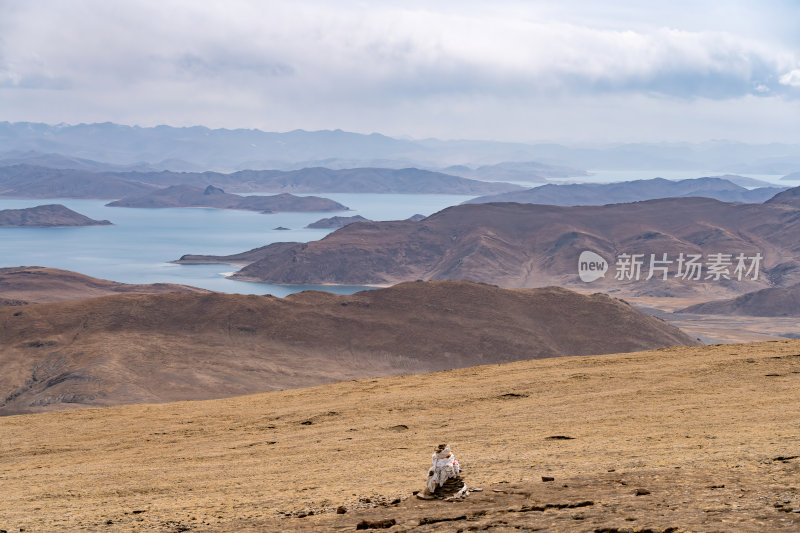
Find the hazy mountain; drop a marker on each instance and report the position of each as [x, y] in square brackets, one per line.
[794, 176]
[46, 216]
[744, 181]
[210, 148]
[38, 159]
[633, 191]
[526, 172]
[25, 181]
[179, 346]
[189, 196]
[32, 181]
[783, 301]
[523, 245]
[221, 149]
[782, 164]
[358, 180]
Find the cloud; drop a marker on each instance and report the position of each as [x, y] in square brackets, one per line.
[281, 64]
[791, 78]
[415, 50]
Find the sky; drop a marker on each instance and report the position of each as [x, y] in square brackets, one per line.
[527, 71]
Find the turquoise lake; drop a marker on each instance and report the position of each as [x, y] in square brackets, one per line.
[140, 244]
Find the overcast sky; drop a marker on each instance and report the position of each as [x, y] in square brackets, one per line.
[506, 70]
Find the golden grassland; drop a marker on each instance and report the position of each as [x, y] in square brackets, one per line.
[710, 432]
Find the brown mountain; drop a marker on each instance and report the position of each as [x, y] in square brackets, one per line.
[787, 197]
[46, 216]
[178, 346]
[39, 284]
[783, 301]
[519, 245]
[189, 196]
[27, 181]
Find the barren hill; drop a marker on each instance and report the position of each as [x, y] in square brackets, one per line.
[178, 346]
[787, 197]
[46, 216]
[39, 284]
[190, 196]
[766, 302]
[518, 245]
[673, 440]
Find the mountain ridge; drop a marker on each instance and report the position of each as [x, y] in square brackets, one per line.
[523, 245]
[132, 348]
[633, 191]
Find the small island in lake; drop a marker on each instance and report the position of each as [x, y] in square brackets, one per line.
[46, 216]
[214, 197]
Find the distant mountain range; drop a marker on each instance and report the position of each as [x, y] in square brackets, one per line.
[38, 159]
[200, 148]
[633, 191]
[523, 245]
[133, 348]
[46, 216]
[526, 171]
[26, 181]
[189, 196]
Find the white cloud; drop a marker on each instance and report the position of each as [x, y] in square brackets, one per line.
[791, 78]
[282, 65]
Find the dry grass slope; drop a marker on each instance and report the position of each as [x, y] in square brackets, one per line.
[710, 432]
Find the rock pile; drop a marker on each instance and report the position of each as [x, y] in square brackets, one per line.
[444, 479]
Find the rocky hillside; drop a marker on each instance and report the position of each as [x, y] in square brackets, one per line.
[524, 245]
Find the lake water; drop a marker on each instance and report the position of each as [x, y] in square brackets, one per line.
[137, 248]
